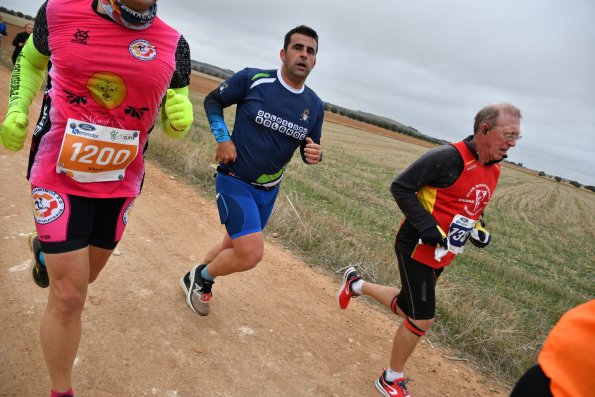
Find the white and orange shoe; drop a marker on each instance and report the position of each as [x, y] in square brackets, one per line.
[345, 293]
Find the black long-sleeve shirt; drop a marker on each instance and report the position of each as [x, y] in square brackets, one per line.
[20, 38]
[439, 167]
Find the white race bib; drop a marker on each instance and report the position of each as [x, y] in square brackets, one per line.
[458, 233]
[94, 153]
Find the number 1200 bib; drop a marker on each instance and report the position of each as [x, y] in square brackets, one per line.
[94, 153]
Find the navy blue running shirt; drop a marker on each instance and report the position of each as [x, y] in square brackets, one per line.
[272, 121]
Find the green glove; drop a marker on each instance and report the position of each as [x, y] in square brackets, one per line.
[178, 113]
[25, 81]
[13, 131]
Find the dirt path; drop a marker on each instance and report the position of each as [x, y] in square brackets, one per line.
[272, 331]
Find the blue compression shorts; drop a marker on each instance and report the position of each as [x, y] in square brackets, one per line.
[243, 208]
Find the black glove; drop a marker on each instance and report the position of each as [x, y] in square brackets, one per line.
[480, 237]
[433, 236]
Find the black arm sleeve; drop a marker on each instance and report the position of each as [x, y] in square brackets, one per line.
[40, 31]
[181, 77]
[440, 168]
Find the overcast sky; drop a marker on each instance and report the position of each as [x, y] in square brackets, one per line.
[430, 64]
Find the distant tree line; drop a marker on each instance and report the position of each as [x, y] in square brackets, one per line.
[15, 13]
[570, 182]
[368, 118]
[212, 70]
[379, 121]
[364, 117]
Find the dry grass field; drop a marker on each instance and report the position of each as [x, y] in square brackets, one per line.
[140, 339]
[495, 305]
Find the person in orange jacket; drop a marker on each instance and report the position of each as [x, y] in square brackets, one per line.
[566, 363]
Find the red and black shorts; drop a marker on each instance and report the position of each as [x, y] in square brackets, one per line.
[66, 222]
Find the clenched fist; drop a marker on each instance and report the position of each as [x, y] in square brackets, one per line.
[179, 113]
[13, 131]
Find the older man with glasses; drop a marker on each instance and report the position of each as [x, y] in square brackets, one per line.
[443, 195]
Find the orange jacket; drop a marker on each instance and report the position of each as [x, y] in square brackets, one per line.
[568, 353]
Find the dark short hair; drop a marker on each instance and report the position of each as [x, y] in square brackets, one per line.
[302, 29]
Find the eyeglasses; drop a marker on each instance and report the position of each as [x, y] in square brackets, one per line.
[509, 136]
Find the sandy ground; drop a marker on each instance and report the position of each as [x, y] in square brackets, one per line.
[272, 331]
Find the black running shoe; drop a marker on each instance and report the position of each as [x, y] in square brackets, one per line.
[197, 290]
[39, 271]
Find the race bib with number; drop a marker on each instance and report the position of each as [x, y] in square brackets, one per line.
[94, 153]
[458, 233]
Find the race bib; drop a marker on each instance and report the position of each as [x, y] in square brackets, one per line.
[94, 153]
[458, 233]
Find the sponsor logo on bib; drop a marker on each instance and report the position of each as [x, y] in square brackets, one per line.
[476, 199]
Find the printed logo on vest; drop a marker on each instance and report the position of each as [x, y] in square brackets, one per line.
[476, 199]
[47, 205]
[45, 114]
[305, 115]
[279, 124]
[143, 50]
[72, 98]
[107, 89]
[80, 37]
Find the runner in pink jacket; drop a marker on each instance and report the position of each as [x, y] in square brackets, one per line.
[113, 64]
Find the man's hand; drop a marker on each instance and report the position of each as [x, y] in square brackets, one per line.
[226, 152]
[312, 151]
[13, 131]
[434, 236]
[480, 237]
[179, 113]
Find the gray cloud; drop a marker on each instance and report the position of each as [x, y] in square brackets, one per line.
[429, 64]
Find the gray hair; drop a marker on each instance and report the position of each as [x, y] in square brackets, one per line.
[490, 113]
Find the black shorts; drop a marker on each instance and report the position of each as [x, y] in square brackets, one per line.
[417, 297]
[65, 222]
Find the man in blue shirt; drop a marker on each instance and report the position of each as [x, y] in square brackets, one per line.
[276, 113]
